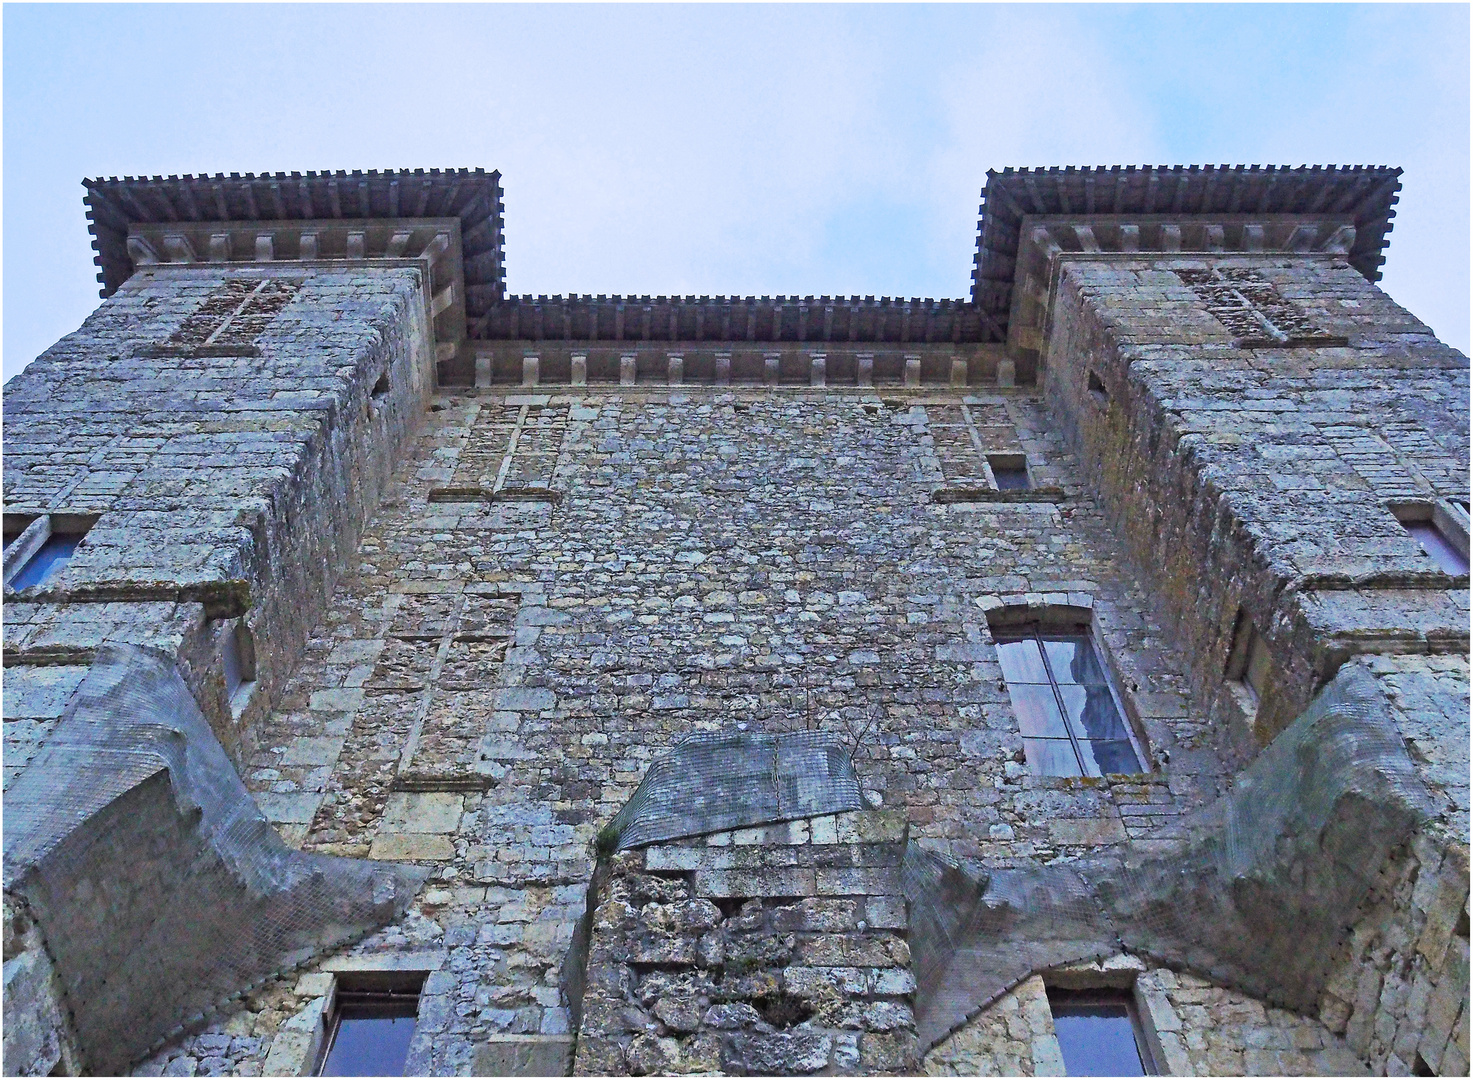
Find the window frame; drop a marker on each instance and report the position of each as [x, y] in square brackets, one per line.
[29, 542]
[1445, 517]
[368, 989]
[1107, 995]
[1039, 629]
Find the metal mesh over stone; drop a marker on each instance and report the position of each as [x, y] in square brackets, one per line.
[160, 888]
[729, 780]
[1256, 899]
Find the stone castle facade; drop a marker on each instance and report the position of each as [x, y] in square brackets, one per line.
[637, 685]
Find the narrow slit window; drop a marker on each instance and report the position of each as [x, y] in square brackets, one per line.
[1097, 389]
[1010, 471]
[50, 557]
[372, 1024]
[1256, 666]
[238, 656]
[1067, 711]
[1100, 1033]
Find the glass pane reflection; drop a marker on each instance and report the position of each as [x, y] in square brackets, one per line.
[1037, 710]
[1073, 660]
[1097, 1040]
[1021, 662]
[1092, 713]
[1113, 756]
[1051, 757]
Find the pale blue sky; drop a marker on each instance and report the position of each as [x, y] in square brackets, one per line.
[711, 149]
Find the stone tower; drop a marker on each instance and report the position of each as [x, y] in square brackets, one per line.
[779, 685]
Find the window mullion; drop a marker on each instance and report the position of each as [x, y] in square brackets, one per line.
[1059, 700]
[238, 309]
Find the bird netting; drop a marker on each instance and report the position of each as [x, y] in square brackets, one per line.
[1256, 898]
[160, 888]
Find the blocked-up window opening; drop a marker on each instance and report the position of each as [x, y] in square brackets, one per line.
[1251, 308]
[510, 454]
[1068, 713]
[1010, 471]
[1100, 1033]
[232, 316]
[372, 1024]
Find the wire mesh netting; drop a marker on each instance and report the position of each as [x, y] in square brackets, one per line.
[1257, 898]
[159, 886]
[713, 781]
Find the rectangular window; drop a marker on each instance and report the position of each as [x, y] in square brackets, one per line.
[372, 1023]
[1067, 710]
[36, 554]
[1442, 537]
[1250, 665]
[1100, 1033]
[1010, 471]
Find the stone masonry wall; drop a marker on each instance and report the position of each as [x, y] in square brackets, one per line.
[230, 477]
[252, 459]
[1258, 478]
[1193, 1029]
[497, 668]
[39, 1040]
[1398, 992]
[494, 675]
[765, 951]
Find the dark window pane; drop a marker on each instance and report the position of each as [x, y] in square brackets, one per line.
[1437, 546]
[1092, 713]
[1073, 660]
[1051, 757]
[369, 1046]
[1021, 662]
[1010, 478]
[1037, 711]
[57, 549]
[1114, 756]
[1097, 1040]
